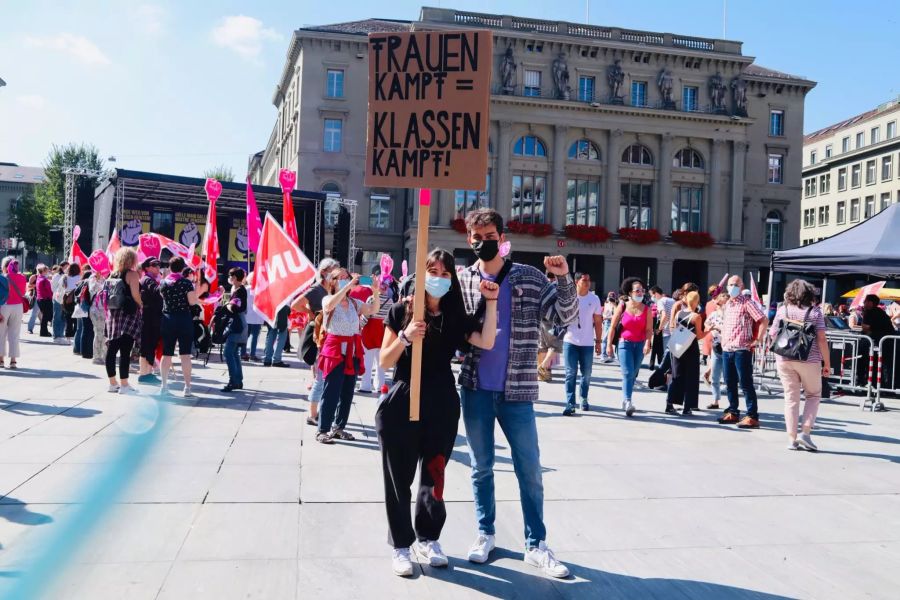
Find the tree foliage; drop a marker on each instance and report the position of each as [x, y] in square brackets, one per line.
[220, 172]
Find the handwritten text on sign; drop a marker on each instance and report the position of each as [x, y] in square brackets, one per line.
[428, 122]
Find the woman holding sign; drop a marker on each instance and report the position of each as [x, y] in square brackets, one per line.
[429, 441]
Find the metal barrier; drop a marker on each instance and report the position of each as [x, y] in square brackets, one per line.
[856, 351]
[764, 367]
[887, 346]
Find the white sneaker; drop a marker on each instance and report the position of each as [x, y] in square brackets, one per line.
[481, 549]
[127, 390]
[542, 557]
[187, 393]
[629, 408]
[432, 552]
[400, 562]
[113, 389]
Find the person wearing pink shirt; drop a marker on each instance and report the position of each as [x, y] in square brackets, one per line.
[11, 312]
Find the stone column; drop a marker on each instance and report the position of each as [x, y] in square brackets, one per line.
[663, 274]
[716, 201]
[502, 179]
[739, 156]
[663, 208]
[558, 178]
[613, 158]
[611, 266]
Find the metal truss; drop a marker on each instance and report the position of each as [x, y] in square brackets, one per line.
[70, 203]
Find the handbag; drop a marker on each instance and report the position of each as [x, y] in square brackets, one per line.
[794, 338]
[680, 340]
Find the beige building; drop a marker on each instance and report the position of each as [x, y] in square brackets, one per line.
[850, 172]
[590, 125]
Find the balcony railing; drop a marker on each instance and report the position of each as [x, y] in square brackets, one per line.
[549, 93]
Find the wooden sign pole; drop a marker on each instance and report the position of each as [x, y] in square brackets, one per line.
[415, 380]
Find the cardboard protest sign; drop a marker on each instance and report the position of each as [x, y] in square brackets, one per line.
[429, 95]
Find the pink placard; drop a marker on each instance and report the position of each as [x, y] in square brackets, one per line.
[425, 197]
[99, 262]
[150, 245]
[76, 232]
[287, 179]
[213, 189]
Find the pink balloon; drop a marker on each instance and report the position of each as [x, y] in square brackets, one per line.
[100, 262]
[213, 189]
[287, 179]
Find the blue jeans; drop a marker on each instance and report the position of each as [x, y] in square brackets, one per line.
[318, 387]
[480, 409]
[576, 357]
[738, 369]
[716, 376]
[631, 355]
[605, 334]
[59, 320]
[274, 345]
[253, 332]
[79, 329]
[665, 342]
[34, 311]
[232, 353]
[337, 398]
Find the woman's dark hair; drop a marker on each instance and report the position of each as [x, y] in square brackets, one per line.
[800, 293]
[176, 265]
[629, 283]
[451, 304]
[690, 287]
[74, 270]
[237, 272]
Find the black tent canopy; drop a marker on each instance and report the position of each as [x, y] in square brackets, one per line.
[870, 248]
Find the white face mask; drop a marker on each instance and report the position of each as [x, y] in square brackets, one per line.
[637, 297]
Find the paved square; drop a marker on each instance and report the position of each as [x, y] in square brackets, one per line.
[236, 500]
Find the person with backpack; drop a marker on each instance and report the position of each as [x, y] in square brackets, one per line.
[12, 297]
[684, 388]
[69, 300]
[123, 317]
[237, 334]
[44, 295]
[151, 319]
[178, 294]
[84, 331]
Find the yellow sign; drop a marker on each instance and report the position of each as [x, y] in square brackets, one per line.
[189, 228]
[135, 221]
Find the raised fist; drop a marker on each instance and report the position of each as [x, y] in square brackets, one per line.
[556, 265]
[489, 289]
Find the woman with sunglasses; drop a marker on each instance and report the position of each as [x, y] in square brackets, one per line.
[636, 336]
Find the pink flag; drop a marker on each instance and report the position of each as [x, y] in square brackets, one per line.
[114, 245]
[753, 292]
[210, 235]
[76, 255]
[872, 288]
[287, 179]
[254, 225]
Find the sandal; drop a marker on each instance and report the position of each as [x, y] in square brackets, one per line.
[343, 435]
[324, 438]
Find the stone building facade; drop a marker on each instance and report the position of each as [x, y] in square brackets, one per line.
[850, 172]
[590, 125]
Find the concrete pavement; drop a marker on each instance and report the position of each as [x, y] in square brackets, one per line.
[236, 500]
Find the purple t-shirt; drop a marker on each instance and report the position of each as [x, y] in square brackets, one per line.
[492, 364]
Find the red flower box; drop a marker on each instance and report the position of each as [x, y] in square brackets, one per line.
[591, 234]
[639, 236]
[535, 229]
[459, 225]
[693, 239]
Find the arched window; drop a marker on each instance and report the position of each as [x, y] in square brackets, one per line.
[332, 207]
[687, 158]
[772, 230]
[636, 154]
[529, 145]
[584, 150]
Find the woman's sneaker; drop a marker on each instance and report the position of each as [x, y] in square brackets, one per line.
[543, 558]
[401, 563]
[432, 552]
[187, 393]
[806, 443]
[629, 408]
[481, 549]
[113, 389]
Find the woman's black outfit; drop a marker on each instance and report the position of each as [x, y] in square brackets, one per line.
[685, 386]
[176, 321]
[427, 442]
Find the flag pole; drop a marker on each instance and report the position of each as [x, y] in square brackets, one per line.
[415, 380]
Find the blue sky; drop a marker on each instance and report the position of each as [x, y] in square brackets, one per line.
[181, 86]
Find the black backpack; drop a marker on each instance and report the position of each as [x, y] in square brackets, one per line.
[221, 325]
[118, 295]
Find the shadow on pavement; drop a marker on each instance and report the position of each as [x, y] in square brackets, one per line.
[30, 408]
[16, 511]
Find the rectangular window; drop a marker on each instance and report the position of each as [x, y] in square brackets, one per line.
[854, 210]
[812, 157]
[869, 207]
[885, 200]
[855, 175]
[586, 89]
[776, 122]
[528, 197]
[639, 93]
[808, 217]
[886, 167]
[333, 130]
[469, 200]
[841, 212]
[583, 202]
[635, 205]
[828, 151]
[335, 83]
[823, 215]
[687, 209]
[806, 192]
[891, 130]
[379, 211]
[689, 97]
[776, 168]
[860, 139]
[825, 183]
[870, 172]
[812, 185]
[532, 83]
[845, 145]
[842, 179]
[163, 223]
[875, 135]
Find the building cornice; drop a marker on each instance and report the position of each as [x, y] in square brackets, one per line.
[865, 153]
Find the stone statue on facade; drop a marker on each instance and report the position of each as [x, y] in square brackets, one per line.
[508, 73]
[561, 77]
[664, 83]
[615, 76]
[717, 93]
[739, 93]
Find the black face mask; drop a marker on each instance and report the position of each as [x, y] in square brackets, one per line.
[486, 250]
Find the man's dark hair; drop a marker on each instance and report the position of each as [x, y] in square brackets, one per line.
[580, 274]
[482, 217]
[237, 272]
[176, 265]
[656, 290]
[873, 298]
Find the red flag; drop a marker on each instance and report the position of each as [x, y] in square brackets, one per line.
[872, 288]
[210, 236]
[287, 179]
[76, 255]
[114, 245]
[254, 225]
[281, 272]
[753, 292]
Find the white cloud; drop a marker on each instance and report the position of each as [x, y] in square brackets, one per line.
[78, 47]
[151, 18]
[244, 35]
[32, 101]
